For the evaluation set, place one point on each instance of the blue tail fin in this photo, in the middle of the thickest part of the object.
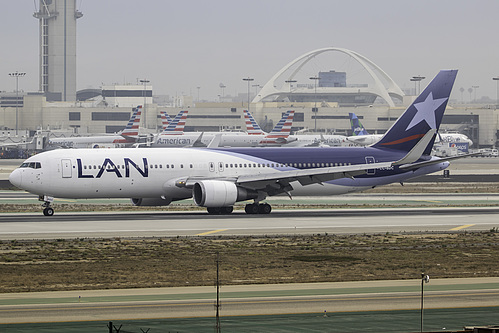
(425, 113)
(357, 127)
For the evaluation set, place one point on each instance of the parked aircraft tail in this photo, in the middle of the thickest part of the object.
(176, 126)
(280, 133)
(132, 128)
(423, 115)
(165, 120)
(357, 127)
(252, 126)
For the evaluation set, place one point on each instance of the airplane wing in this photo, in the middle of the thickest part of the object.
(274, 183)
(277, 182)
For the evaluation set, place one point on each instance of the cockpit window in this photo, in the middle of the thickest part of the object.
(32, 165)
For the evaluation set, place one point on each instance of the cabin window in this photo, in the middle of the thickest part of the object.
(190, 165)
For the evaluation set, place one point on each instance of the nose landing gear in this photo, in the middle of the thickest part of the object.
(47, 210)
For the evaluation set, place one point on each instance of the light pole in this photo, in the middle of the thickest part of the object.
(289, 82)
(475, 88)
(222, 86)
(418, 79)
(424, 279)
(17, 75)
(315, 78)
(256, 88)
(145, 82)
(248, 79)
(497, 93)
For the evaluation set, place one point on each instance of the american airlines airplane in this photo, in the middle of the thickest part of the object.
(218, 178)
(174, 135)
(128, 136)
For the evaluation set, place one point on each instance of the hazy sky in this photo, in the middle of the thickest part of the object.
(180, 45)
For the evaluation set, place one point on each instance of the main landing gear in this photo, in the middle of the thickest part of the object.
(220, 210)
(253, 208)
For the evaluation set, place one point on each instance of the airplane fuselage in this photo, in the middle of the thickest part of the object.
(154, 173)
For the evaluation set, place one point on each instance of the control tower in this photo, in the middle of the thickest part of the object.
(58, 48)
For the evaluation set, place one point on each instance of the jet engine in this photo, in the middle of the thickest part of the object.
(150, 201)
(217, 193)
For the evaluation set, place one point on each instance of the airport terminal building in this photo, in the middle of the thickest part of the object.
(478, 122)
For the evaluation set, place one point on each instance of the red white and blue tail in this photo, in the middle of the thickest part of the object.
(176, 126)
(165, 120)
(280, 133)
(132, 128)
(252, 127)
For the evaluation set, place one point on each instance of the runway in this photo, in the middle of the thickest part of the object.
(247, 300)
(279, 222)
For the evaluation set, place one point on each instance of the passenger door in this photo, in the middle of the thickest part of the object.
(67, 169)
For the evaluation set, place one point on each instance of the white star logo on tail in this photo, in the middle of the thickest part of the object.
(426, 111)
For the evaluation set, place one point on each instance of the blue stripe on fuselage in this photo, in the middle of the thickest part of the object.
(343, 155)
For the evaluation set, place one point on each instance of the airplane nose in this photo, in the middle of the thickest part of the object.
(15, 178)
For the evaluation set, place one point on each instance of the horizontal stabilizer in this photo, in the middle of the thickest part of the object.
(418, 149)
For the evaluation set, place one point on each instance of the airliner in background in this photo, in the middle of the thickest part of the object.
(126, 137)
(218, 178)
(360, 135)
(453, 138)
(174, 135)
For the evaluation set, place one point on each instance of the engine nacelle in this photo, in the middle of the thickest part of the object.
(218, 193)
(150, 201)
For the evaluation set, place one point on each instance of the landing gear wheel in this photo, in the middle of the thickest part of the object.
(213, 210)
(251, 209)
(226, 210)
(48, 211)
(220, 210)
(264, 208)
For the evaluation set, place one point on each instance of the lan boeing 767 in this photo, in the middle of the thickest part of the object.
(218, 178)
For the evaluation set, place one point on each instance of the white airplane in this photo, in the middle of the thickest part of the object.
(360, 135)
(453, 137)
(303, 140)
(174, 135)
(218, 178)
(128, 136)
